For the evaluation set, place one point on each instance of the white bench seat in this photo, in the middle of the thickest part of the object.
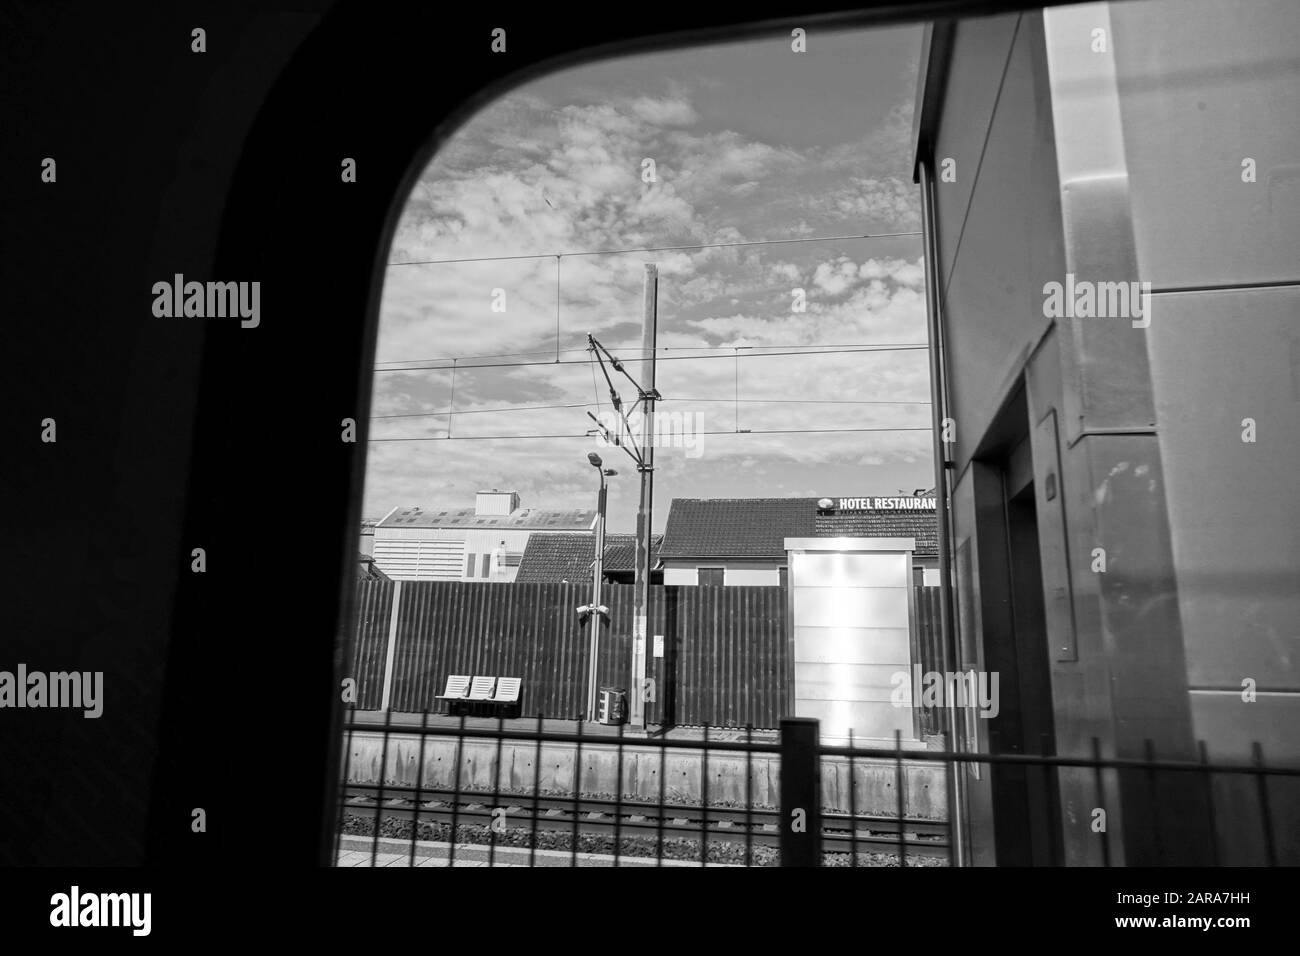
(507, 691)
(457, 688)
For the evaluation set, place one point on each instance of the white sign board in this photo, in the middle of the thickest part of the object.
(913, 503)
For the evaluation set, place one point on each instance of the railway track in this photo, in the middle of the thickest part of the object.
(593, 815)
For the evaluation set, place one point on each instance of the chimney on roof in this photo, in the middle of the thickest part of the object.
(496, 502)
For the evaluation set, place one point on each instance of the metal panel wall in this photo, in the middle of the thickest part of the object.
(836, 617)
(1205, 86)
(509, 630)
(929, 650)
(730, 666)
(725, 657)
(374, 609)
(724, 650)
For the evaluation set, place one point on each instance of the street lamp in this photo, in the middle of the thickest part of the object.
(596, 611)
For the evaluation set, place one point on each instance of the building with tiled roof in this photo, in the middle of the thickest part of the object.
(483, 543)
(366, 569)
(556, 558)
(742, 540)
(921, 526)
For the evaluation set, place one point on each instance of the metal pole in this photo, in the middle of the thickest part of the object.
(641, 603)
(939, 406)
(800, 788)
(596, 618)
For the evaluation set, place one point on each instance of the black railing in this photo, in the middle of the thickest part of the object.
(442, 791)
(598, 808)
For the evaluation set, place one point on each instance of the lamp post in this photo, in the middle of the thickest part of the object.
(596, 612)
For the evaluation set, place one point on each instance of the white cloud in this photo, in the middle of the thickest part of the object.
(665, 112)
(786, 271)
(890, 201)
(526, 178)
(835, 278)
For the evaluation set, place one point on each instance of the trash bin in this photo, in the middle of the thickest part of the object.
(613, 705)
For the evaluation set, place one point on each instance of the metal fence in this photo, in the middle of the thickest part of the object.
(436, 792)
(369, 651)
(928, 651)
(724, 659)
(725, 655)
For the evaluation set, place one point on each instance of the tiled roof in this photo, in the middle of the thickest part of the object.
(921, 525)
(567, 557)
(736, 527)
(620, 551)
(758, 527)
(525, 519)
(367, 570)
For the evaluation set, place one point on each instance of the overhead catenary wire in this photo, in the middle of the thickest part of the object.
(665, 358)
(595, 347)
(623, 252)
(796, 401)
(483, 411)
(751, 352)
(599, 404)
(743, 431)
(638, 348)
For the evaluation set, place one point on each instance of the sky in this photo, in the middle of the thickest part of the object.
(749, 141)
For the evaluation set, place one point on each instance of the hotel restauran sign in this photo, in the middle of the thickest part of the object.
(876, 504)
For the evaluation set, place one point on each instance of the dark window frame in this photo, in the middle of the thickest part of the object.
(722, 577)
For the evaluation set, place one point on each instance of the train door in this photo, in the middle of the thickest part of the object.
(1023, 800)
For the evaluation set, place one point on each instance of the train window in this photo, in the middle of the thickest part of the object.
(692, 309)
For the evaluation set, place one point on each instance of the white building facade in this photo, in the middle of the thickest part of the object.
(483, 543)
(736, 542)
